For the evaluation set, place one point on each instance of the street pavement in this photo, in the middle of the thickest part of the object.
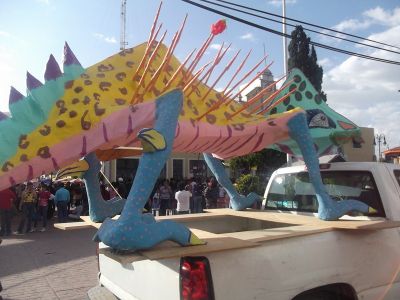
(54, 264)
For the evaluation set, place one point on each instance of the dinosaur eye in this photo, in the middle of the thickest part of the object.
(319, 120)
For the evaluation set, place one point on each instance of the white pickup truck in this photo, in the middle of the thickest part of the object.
(280, 252)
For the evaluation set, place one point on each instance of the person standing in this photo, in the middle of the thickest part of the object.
(122, 189)
(221, 197)
(165, 197)
(44, 197)
(7, 197)
(197, 197)
(183, 199)
(211, 193)
(61, 200)
(28, 201)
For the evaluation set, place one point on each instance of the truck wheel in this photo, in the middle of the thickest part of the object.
(322, 295)
(335, 291)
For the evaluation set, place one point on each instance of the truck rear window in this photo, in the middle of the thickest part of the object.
(294, 192)
(397, 175)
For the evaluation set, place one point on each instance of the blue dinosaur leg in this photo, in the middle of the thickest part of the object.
(99, 209)
(238, 202)
(327, 208)
(132, 231)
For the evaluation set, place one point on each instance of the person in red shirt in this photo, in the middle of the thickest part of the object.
(44, 196)
(7, 197)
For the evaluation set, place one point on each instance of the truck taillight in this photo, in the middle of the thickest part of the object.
(195, 279)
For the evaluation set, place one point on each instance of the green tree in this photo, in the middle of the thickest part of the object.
(249, 183)
(263, 160)
(301, 58)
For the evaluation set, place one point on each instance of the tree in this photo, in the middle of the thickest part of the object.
(301, 58)
(263, 160)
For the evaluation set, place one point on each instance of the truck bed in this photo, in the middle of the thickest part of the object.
(224, 229)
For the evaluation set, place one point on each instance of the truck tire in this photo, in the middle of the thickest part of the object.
(338, 291)
(321, 296)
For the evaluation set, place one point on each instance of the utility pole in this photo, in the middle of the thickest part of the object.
(285, 50)
(123, 43)
(285, 58)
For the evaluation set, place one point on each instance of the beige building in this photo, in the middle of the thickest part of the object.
(178, 166)
(361, 152)
(265, 80)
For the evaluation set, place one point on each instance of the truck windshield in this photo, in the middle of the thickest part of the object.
(294, 192)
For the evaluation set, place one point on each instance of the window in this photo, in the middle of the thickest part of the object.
(294, 192)
(177, 169)
(127, 167)
(198, 168)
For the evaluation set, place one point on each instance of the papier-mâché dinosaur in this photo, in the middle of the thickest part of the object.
(142, 96)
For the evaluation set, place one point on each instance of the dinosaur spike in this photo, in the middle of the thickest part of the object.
(32, 82)
(69, 56)
(246, 75)
(3, 116)
(266, 102)
(15, 95)
(52, 69)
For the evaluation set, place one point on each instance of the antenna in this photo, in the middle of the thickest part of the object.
(123, 43)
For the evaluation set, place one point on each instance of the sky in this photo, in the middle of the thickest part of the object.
(364, 91)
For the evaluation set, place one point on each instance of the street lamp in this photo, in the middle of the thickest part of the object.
(380, 138)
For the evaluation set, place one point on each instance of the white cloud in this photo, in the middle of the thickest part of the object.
(4, 33)
(367, 91)
(100, 36)
(248, 36)
(47, 2)
(372, 16)
(217, 46)
(325, 62)
(381, 16)
(352, 25)
(279, 2)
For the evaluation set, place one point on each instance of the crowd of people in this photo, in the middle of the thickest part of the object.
(36, 203)
(187, 196)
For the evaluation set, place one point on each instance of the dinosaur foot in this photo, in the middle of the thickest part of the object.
(335, 210)
(140, 232)
(241, 202)
(106, 209)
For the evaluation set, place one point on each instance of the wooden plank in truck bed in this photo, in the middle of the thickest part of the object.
(296, 225)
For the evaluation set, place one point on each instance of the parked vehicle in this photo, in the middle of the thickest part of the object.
(280, 252)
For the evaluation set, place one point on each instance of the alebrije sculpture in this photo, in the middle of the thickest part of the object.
(144, 96)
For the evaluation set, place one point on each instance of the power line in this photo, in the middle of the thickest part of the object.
(292, 25)
(288, 36)
(307, 23)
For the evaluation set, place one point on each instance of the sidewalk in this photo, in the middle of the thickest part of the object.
(54, 264)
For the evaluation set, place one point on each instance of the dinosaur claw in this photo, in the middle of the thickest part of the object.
(194, 240)
(152, 140)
